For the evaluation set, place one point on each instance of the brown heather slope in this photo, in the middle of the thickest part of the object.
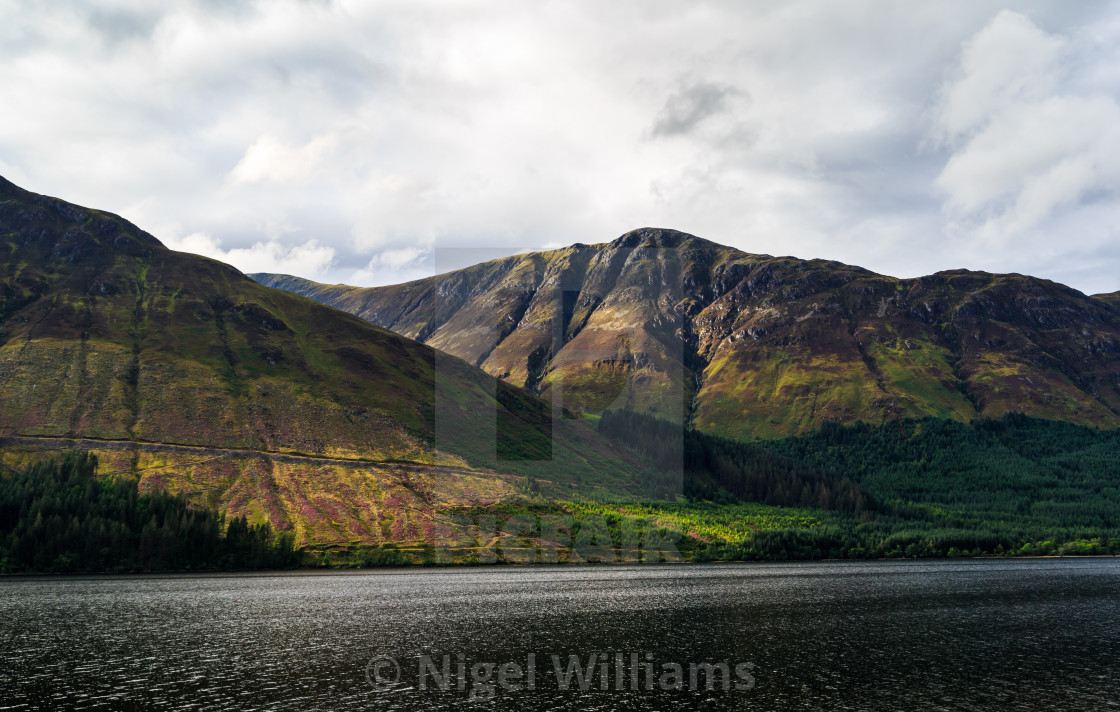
(180, 370)
(754, 346)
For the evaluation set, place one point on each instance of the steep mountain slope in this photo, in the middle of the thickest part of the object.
(182, 371)
(754, 346)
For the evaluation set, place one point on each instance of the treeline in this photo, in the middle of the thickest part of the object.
(59, 517)
(1032, 472)
(854, 542)
(716, 468)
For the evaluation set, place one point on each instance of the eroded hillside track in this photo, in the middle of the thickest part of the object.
(62, 443)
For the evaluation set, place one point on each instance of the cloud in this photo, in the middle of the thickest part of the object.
(398, 259)
(394, 266)
(309, 259)
(1027, 140)
(690, 105)
(269, 160)
(868, 132)
(1006, 63)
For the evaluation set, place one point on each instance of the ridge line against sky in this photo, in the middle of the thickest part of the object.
(352, 142)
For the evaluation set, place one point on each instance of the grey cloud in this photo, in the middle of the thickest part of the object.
(689, 106)
(118, 26)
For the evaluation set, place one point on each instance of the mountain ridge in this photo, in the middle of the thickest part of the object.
(756, 345)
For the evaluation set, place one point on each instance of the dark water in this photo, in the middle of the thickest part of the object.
(976, 635)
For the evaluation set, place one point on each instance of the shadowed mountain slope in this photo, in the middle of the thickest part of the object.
(755, 346)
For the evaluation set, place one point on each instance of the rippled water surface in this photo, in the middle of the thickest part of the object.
(960, 635)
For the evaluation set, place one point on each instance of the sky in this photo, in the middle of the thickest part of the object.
(374, 142)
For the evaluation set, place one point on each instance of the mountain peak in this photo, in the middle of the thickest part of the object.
(659, 237)
(9, 188)
(52, 230)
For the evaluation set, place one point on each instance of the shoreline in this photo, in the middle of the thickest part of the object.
(413, 568)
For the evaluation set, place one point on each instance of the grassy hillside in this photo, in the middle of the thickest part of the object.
(1013, 486)
(182, 371)
(1016, 486)
(1112, 299)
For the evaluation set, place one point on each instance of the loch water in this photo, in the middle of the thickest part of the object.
(1010, 634)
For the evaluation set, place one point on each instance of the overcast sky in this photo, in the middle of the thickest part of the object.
(352, 141)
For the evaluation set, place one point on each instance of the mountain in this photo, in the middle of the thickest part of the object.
(1112, 298)
(755, 346)
(183, 372)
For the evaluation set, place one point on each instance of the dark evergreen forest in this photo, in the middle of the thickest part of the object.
(58, 517)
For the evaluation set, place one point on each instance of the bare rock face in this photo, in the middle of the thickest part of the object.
(755, 346)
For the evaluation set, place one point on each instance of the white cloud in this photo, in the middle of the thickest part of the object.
(309, 259)
(1008, 62)
(1026, 141)
(397, 259)
(393, 266)
(268, 160)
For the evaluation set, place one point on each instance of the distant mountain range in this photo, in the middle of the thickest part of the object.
(754, 346)
(181, 371)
